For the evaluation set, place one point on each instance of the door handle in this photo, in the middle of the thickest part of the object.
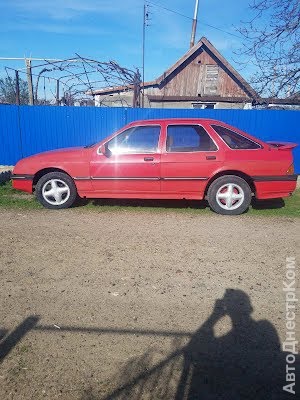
(211, 157)
(148, 158)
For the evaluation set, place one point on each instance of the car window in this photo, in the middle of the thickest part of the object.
(188, 138)
(138, 139)
(234, 140)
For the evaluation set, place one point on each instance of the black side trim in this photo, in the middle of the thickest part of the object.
(26, 177)
(117, 178)
(185, 178)
(275, 178)
(82, 178)
(114, 178)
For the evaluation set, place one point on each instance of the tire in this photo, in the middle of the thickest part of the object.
(229, 195)
(56, 190)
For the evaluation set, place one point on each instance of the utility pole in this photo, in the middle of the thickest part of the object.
(194, 26)
(57, 92)
(136, 90)
(17, 88)
(144, 34)
(29, 81)
(145, 20)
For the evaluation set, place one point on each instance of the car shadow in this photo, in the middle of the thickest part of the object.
(143, 203)
(267, 204)
(172, 204)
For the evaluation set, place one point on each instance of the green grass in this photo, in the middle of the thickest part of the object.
(11, 198)
(289, 207)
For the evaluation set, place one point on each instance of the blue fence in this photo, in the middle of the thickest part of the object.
(25, 130)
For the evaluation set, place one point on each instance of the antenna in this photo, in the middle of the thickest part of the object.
(194, 26)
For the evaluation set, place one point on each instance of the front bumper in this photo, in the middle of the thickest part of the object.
(22, 182)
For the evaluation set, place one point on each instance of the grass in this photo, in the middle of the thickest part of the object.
(11, 198)
(289, 207)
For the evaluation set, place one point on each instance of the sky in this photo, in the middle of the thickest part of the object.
(112, 30)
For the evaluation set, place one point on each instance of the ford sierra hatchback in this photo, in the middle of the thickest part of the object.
(164, 159)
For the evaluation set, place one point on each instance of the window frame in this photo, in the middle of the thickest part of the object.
(189, 152)
(134, 127)
(237, 133)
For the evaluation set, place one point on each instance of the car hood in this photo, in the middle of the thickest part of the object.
(60, 158)
(59, 154)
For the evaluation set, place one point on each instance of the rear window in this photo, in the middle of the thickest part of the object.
(234, 140)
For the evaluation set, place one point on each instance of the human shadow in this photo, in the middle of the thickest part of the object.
(244, 363)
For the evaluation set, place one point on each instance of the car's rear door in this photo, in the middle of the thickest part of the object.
(189, 158)
(131, 163)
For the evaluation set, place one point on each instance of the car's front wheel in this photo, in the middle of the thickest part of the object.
(56, 190)
(229, 195)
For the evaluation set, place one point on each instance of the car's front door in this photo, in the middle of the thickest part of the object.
(188, 160)
(131, 162)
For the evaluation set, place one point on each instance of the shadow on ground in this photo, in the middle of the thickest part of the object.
(244, 363)
(172, 204)
(181, 204)
(267, 204)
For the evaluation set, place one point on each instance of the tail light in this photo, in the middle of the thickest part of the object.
(290, 170)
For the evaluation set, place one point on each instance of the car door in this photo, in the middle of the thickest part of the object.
(188, 160)
(131, 162)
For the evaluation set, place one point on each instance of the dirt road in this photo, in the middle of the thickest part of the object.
(122, 305)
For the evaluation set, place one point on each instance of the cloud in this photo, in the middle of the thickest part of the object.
(89, 17)
(56, 28)
(70, 9)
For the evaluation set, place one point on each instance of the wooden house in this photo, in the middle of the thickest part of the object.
(201, 78)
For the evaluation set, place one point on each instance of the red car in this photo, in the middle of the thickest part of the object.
(164, 159)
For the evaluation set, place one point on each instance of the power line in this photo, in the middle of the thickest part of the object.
(190, 18)
(221, 30)
(168, 9)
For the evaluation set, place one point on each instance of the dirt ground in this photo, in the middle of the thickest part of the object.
(124, 305)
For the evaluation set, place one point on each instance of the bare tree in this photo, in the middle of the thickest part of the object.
(272, 43)
(74, 81)
(8, 91)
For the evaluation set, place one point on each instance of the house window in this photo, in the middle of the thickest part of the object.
(211, 79)
(204, 105)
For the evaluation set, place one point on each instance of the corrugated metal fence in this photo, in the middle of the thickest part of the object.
(25, 130)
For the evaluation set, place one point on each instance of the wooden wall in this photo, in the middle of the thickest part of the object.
(191, 80)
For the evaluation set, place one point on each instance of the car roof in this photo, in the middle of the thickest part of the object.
(176, 119)
(184, 119)
(195, 120)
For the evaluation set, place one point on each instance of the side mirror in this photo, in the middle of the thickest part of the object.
(103, 149)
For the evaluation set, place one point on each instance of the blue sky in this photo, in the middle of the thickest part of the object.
(112, 30)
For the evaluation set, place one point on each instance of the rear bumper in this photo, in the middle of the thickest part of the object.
(275, 178)
(271, 187)
(22, 182)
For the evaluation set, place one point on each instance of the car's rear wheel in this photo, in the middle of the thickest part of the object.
(56, 190)
(229, 195)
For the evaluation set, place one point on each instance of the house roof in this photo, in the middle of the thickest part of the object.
(206, 45)
(293, 101)
(202, 99)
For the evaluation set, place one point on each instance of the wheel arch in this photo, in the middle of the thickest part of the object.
(242, 175)
(45, 171)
